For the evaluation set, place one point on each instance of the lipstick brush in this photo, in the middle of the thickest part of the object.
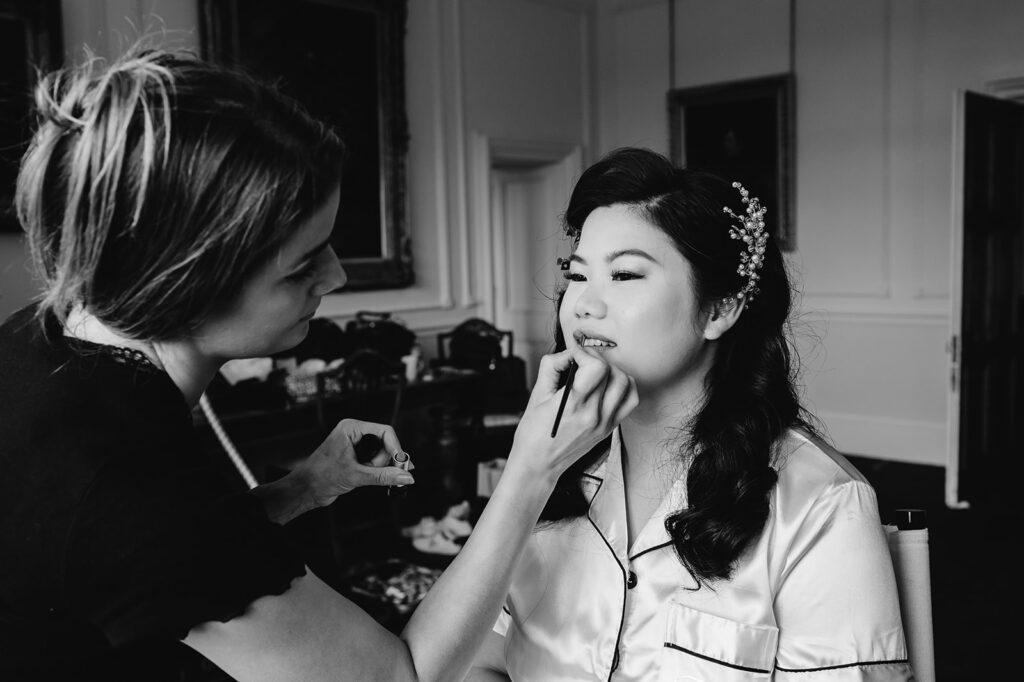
(565, 396)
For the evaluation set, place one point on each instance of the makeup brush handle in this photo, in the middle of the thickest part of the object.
(565, 396)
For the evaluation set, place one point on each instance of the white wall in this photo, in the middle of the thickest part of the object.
(875, 87)
(105, 26)
(509, 70)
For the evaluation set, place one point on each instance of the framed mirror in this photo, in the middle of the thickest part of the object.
(742, 131)
(344, 60)
(30, 38)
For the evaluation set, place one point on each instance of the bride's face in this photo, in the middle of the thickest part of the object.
(630, 298)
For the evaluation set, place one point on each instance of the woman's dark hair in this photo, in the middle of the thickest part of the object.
(750, 397)
(156, 184)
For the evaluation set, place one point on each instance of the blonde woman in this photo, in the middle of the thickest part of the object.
(178, 215)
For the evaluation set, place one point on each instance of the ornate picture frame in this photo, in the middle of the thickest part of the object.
(742, 130)
(344, 60)
(30, 38)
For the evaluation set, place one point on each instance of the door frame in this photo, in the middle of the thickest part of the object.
(953, 500)
(485, 153)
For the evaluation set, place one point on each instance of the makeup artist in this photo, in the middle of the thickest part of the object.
(178, 215)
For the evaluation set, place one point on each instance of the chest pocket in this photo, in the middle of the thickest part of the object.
(700, 647)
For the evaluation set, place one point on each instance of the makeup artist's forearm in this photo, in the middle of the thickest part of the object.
(450, 624)
(285, 498)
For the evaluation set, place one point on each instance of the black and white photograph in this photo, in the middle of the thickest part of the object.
(522, 340)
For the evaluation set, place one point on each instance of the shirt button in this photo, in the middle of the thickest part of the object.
(631, 580)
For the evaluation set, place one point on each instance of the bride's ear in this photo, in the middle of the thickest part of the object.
(723, 316)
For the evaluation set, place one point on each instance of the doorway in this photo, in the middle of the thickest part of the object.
(987, 345)
(520, 210)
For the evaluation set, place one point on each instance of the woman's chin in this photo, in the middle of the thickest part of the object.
(296, 335)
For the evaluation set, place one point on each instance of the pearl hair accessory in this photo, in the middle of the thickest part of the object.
(750, 230)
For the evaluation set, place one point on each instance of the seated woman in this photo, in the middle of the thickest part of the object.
(714, 536)
(179, 216)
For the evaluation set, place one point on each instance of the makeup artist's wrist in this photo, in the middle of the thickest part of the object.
(289, 496)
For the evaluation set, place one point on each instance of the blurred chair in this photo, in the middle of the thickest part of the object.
(368, 386)
(908, 546)
(371, 382)
(478, 345)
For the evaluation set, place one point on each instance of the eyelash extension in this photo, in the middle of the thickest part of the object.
(618, 275)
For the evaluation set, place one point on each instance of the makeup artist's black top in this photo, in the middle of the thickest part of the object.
(116, 533)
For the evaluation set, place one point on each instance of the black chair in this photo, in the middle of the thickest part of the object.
(478, 345)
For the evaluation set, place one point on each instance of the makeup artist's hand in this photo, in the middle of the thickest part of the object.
(601, 396)
(333, 469)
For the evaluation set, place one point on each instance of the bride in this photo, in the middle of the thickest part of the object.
(713, 536)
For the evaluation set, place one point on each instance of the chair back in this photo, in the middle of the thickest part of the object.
(371, 379)
(474, 344)
(908, 546)
(478, 345)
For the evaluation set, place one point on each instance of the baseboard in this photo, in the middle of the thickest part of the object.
(901, 440)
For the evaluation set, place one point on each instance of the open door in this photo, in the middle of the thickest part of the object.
(527, 239)
(987, 345)
(528, 196)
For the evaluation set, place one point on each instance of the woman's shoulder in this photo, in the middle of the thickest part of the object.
(812, 471)
(804, 455)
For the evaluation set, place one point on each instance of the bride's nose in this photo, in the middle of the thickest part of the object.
(590, 303)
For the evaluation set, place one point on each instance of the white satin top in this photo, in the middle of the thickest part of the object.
(814, 598)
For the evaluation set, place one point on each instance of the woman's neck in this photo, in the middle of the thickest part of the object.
(653, 430)
(189, 368)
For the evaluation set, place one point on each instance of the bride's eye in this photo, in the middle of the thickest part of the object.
(574, 276)
(623, 275)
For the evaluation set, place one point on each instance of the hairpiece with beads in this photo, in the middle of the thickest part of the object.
(751, 230)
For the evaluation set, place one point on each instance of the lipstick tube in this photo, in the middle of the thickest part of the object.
(403, 462)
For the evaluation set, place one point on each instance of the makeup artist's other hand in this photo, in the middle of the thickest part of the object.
(601, 396)
(333, 469)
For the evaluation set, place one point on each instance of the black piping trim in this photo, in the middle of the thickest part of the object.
(505, 609)
(670, 645)
(842, 665)
(596, 478)
(650, 549)
(622, 615)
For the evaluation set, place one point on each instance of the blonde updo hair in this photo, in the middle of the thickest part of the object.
(156, 184)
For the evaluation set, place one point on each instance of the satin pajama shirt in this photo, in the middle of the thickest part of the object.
(813, 599)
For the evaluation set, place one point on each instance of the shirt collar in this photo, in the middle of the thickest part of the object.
(604, 487)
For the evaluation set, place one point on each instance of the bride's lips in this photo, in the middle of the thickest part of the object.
(588, 339)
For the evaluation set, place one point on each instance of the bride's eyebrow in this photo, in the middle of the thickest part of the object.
(630, 252)
(617, 254)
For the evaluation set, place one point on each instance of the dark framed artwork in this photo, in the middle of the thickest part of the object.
(30, 39)
(344, 60)
(742, 131)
